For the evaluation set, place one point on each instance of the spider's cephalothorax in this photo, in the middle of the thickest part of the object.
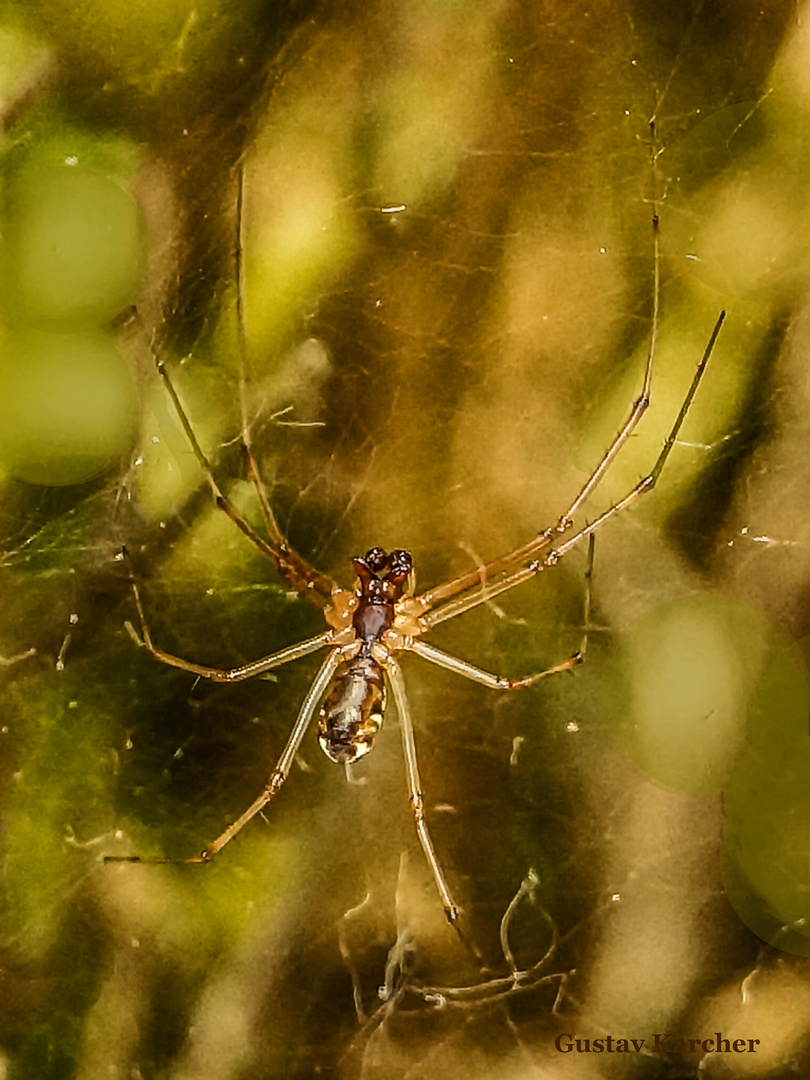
(381, 583)
(353, 710)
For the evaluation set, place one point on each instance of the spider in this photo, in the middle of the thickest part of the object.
(369, 625)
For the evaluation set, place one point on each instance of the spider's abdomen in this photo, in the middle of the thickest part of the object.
(353, 710)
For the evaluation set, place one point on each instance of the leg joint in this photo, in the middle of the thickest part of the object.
(273, 785)
(418, 807)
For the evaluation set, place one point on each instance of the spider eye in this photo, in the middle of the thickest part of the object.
(376, 559)
(401, 562)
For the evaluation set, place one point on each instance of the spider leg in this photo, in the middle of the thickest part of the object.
(648, 482)
(320, 582)
(502, 682)
(297, 571)
(300, 575)
(244, 671)
(252, 467)
(451, 909)
(639, 406)
(533, 547)
(275, 781)
(272, 526)
(486, 678)
(455, 603)
(7, 661)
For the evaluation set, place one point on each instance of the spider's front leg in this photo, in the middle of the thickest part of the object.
(451, 908)
(304, 578)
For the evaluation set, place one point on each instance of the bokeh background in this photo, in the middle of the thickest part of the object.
(448, 287)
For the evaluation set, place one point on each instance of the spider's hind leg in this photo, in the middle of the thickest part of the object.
(451, 909)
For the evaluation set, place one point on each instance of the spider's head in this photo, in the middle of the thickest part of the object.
(383, 575)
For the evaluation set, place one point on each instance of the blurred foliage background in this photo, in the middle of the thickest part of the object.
(448, 288)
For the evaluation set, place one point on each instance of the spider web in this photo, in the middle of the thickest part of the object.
(448, 289)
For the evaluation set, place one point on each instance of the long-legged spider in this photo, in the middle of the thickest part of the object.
(369, 625)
